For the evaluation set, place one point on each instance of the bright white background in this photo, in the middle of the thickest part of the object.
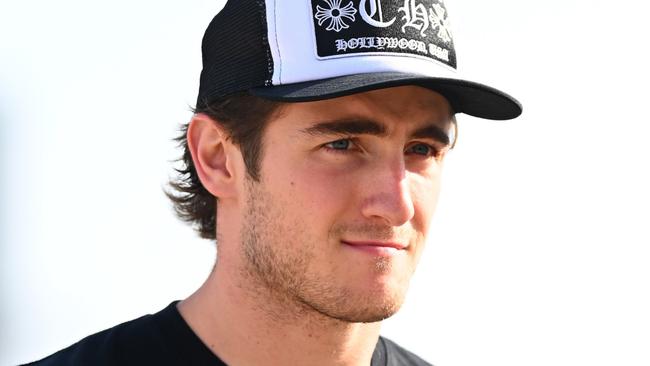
(540, 249)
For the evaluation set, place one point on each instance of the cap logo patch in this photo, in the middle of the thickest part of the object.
(361, 27)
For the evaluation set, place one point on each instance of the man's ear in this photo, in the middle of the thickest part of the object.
(212, 154)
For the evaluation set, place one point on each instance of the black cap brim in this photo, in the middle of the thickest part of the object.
(464, 96)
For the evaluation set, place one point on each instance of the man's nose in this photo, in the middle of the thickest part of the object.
(388, 194)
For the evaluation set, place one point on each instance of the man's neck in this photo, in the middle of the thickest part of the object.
(244, 324)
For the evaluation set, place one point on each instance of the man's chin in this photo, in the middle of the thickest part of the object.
(362, 309)
(368, 316)
(376, 316)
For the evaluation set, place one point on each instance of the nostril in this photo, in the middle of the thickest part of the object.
(395, 206)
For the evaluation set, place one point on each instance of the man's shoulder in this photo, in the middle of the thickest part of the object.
(136, 342)
(395, 355)
(164, 339)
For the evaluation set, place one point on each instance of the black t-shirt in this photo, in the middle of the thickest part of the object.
(165, 338)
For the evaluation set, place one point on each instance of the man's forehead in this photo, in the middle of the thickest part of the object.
(397, 96)
(409, 114)
(411, 104)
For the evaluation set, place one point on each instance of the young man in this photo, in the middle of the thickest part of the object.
(320, 131)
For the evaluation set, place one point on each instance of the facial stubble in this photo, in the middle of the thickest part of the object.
(279, 259)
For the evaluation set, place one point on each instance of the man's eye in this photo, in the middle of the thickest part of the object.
(339, 144)
(422, 149)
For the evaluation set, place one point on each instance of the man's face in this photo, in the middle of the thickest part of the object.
(348, 187)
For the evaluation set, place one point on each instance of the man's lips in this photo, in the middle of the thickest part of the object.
(378, 244)
(376, 248)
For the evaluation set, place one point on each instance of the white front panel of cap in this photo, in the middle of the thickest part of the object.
(316, 39)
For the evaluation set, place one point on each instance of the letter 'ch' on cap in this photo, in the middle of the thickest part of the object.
(306, 50)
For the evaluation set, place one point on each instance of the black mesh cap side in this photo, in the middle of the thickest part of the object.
(236, 53)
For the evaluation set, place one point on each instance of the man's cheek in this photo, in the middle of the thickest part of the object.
(323, 188)
(425, 199)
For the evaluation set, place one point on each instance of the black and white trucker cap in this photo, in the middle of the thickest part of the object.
(306, 50)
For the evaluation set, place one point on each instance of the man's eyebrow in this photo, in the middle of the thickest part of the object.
(432, 132)
(368, 127)
(347, 127)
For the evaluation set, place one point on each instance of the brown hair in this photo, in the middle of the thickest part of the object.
(244, 117)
